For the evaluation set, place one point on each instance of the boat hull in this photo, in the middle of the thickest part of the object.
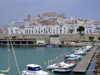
(80, 52)
(65, 65)
(73, 57)
(78, 58)
(34, 73)
(61, 71)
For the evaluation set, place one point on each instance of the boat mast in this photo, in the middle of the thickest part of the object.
(8, 50)
(15, 56)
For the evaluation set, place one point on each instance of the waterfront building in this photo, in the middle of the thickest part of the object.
(1, 32)
(4, 29)
(90, 29)
(97, 28)
(40, 41)
(54, 39)
(13, 30)
(52, 29)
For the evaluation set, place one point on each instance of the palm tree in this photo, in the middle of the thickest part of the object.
(91, 38)
(80, 29)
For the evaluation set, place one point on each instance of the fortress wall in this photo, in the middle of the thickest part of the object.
(62, 37)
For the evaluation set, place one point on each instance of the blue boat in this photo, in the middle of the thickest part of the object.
(61, 70)
(73, 57)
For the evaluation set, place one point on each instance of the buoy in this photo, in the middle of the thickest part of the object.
(45, 63)
(62, 54)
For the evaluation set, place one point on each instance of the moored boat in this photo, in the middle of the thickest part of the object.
(62, 65)
(61, 70)
(52, 45)
(73, 57)
(33, 69)
(71, 62)
(88, 47)
(2, 74)
(80, 51)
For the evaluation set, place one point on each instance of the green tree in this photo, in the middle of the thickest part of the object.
(91, 38)
(80, 29)
(13, 36)
(99, 38)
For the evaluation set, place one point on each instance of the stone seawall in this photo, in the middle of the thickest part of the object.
(62, 37)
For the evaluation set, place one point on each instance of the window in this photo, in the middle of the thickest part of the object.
(34, 69)
(44, 30)
(16, 31)
(11, 31)
(32, 31)
(64, 29)
(60, 30)
(27, 31)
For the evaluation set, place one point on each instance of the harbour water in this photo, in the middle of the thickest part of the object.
(37, 55)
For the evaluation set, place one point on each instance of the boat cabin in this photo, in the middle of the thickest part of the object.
(32, 67)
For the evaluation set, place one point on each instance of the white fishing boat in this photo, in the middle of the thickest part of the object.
(33, 69)
(62, 65)
(73, 57)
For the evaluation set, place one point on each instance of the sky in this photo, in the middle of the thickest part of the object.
(12, 10)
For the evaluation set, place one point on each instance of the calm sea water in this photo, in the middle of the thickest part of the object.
(37, 55)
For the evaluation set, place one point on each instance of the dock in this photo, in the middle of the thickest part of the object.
(84, 63)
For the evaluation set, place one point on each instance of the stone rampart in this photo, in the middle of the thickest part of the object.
(62, 37)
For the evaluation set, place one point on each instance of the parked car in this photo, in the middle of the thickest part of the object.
(92, 42)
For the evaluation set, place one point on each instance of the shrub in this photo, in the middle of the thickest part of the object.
(13, 36)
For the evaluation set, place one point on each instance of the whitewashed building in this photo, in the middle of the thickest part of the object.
(89, 29)
(52, 29)
(13, 30)
(51, 23)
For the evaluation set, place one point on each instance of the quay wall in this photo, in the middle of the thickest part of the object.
(62, 37)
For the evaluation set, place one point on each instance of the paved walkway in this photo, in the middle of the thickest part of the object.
(83, 65)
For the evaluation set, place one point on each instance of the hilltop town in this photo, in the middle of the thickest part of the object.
(50, 23)
(49, 28)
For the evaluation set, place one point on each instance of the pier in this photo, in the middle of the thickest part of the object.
(84, 63)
